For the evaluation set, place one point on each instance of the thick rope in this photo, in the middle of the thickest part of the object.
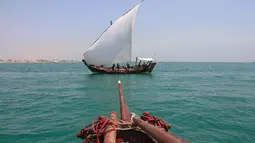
(100, 123)
(99, 127)
(155, 121)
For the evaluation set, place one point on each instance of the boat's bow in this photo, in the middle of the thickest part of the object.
(129, 128)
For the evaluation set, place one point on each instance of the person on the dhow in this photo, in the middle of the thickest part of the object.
(150, 63)
(113, 66)
(118, 66)
(144, 65)
(128, 66)
(139, 65)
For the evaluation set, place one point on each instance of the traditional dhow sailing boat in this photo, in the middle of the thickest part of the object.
(113, 49)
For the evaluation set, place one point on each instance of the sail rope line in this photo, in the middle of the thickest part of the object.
(97, 39)
(121, 53)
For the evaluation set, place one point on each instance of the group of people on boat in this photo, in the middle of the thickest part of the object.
(137, 66)
(144, 65)
(118, 66)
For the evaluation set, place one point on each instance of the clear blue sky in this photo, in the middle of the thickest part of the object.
(176, 30)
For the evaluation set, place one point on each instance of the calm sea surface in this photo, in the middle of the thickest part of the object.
(50, 102)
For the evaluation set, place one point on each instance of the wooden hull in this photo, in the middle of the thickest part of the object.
(108, 70)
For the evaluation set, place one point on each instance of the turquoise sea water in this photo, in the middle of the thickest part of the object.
(204, 102)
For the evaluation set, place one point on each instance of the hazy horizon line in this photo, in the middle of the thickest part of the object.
(158, 61)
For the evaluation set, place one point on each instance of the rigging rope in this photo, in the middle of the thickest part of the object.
(99, 127)
(155, 121)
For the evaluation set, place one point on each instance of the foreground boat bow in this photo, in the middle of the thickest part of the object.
(129, 128)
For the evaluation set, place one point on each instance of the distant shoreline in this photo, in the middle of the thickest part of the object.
(75, 61)
(38, 61)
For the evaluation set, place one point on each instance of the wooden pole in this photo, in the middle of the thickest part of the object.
(123, 107)
(156, 133)
(110, 137)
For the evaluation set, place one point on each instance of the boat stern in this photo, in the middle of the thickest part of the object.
(151, 67)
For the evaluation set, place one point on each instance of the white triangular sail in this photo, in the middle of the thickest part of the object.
(115, 44)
